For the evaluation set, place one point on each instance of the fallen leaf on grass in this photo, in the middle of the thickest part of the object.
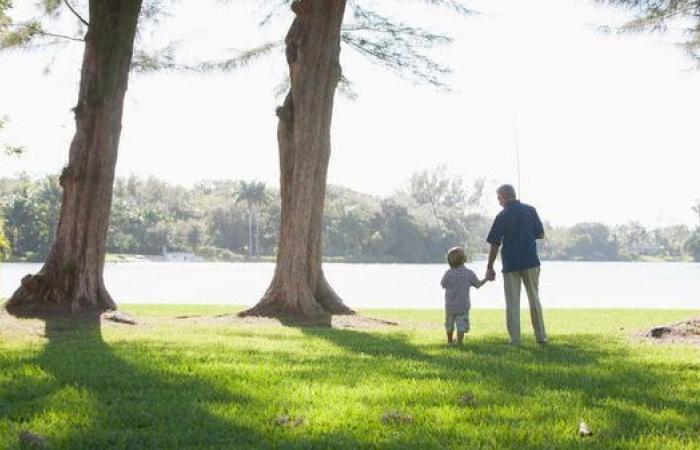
(467, 400)
(396, 418)
(31, 440)
(288, 421)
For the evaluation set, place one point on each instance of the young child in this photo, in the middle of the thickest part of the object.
(456, 282)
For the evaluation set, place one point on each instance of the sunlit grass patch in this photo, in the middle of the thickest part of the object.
(187, 384)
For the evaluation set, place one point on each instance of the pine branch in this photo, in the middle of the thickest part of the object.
(455, 5)
(394, 45)
(75, 13)
(61, 36)
(278, 8)
(241, 60)
(21, 35)
(346, 88)
(13, 150)
(657, 15)
(157, 60)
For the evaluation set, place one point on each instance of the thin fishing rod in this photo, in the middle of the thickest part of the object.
(517, 153)
(437, 219)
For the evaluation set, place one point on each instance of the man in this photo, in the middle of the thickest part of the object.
(516, 227)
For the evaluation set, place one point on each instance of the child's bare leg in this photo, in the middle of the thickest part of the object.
(460, 337)
(449, 326)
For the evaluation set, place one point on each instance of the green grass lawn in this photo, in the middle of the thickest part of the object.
(180, 384)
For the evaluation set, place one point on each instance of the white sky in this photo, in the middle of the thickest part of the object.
(607, 124)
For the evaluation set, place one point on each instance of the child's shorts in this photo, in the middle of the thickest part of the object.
(460, 320)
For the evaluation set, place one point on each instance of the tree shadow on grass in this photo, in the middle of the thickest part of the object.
(635, 399)
(87, 396)
(90, 394)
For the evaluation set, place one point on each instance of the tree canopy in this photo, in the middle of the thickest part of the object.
(5, 246)
(61, 22)
(661, 15)
(382, 39)
(8, 149)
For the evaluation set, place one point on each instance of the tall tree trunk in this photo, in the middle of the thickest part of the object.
(71, 279)
(299, 287)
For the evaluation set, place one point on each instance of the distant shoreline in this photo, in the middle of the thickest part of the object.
(129, 258)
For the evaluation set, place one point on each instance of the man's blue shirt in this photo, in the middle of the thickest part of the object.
(516, 227)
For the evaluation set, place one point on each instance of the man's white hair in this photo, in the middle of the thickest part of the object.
(507, 190)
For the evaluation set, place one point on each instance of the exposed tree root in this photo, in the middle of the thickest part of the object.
(297, 304)
(42, 296)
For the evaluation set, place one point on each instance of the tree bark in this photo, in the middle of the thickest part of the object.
(71, 280)
(299, 288)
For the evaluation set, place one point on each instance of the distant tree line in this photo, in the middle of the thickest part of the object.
(594, 241)
(235, 220)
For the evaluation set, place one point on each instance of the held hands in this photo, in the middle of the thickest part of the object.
(490, 274)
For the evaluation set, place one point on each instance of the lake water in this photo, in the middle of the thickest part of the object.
(562, 284)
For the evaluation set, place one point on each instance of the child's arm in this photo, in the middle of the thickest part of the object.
(443, 282)
(478, 283)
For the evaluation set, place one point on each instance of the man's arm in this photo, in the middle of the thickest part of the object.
(493, 252)
(494, 238)
(539, 229)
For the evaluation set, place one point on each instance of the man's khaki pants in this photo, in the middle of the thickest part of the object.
(531, 279)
